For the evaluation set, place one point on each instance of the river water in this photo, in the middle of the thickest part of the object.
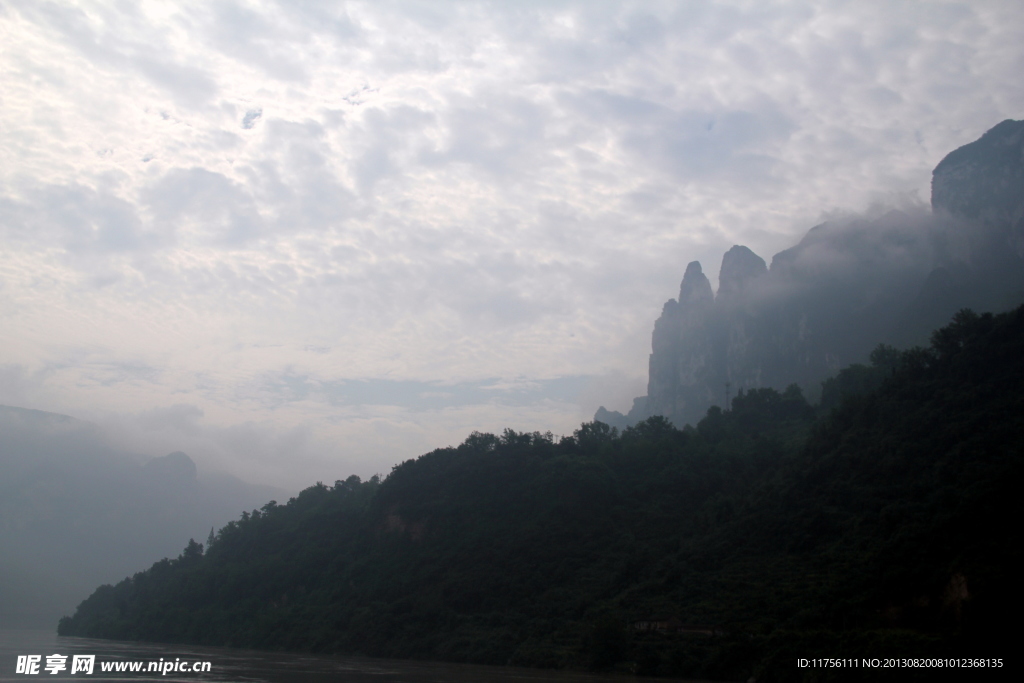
(248, 666)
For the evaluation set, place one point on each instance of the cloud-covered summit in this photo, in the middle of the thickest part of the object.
(847, 286)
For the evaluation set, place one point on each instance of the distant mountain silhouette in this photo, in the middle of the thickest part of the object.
(75, 512)
(847, 286)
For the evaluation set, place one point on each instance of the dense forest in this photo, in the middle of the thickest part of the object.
(882, 522)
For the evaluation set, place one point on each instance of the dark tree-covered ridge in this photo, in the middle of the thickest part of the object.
(883, 523)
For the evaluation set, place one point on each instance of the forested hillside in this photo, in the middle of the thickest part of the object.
(884, 522)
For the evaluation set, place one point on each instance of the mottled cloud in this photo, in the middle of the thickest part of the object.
(346, 233)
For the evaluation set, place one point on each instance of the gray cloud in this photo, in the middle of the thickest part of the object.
(140, 48)
(386, 142)
(731, 145)
(254, 38)
(506, 137)
(79, 218)
(222, 211)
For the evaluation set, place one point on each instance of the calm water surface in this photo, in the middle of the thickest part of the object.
(246, 666)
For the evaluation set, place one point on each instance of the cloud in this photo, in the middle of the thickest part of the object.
(707, 146)
(366, 223)
(82, 220)
(209, 205)
(115, 41)
(498, 134)
(263, 38)
(387, 140)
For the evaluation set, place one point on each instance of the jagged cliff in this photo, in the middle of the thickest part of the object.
(847, 286)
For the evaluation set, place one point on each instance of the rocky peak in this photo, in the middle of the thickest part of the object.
(695, 289)
(847, 286)
(984, 180)
(739, 266)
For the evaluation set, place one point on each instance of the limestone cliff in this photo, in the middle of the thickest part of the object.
(846, 287)
(984, 181)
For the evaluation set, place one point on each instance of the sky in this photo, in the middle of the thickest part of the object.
(301, 240)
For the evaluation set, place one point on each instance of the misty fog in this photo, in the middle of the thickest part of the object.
(76, 512)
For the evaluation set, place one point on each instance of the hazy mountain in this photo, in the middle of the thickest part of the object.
(769, 532)
(847, 286)
(74, 512)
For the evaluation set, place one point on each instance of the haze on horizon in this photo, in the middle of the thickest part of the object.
(299, 242)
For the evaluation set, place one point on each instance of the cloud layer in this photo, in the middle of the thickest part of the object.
(384, 225)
